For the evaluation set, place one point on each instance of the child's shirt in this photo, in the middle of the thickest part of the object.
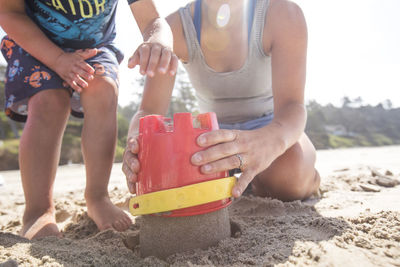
(75, 24)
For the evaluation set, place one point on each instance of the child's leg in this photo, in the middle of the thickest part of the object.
(99, 135)
(292, 176)
(39, 155)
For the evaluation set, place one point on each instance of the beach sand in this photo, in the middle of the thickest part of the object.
(355, 222)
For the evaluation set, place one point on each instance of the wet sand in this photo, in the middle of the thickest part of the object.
(355, 222)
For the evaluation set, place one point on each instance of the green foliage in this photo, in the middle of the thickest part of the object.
(71, 143)
(119, 152)
(355, 124)
(123, 127)
(183, 97)
(339, 141)
(382, 140)
(9, 154)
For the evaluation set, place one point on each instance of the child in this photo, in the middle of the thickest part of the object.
(247, 63)
(61, 60)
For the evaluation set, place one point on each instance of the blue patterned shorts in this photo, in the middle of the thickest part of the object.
(26, 76)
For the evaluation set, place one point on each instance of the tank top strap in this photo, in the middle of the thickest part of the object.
(197, 19)
(189, 32)
(251, 7)
(259, 23)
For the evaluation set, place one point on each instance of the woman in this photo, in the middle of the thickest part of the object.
(247, 62)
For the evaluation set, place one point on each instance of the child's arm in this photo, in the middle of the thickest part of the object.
(70, 66)
(155, 100)
(156, 50)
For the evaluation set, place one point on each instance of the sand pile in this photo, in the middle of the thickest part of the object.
(346, 226)
(164, 236)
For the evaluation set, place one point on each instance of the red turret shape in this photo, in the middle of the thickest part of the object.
(165, 152)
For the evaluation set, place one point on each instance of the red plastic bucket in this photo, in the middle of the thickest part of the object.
(165, 151)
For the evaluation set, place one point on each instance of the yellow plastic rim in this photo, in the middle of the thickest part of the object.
(182, 197)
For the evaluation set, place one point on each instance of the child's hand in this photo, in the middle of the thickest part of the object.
(73, 69)
(130, 165)
(152, 56)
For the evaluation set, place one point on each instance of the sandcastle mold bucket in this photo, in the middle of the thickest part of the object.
(165, 151)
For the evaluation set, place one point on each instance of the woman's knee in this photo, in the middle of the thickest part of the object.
(300, 185)
(290, 176)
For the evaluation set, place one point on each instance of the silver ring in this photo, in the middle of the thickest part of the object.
(240, 160)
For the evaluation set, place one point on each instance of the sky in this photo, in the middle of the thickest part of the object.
(353, 49)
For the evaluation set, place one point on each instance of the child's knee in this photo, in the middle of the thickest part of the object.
(101, 96)
(52, 103)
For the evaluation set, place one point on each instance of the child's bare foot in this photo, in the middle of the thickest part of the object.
(106, 215)
(40, 226)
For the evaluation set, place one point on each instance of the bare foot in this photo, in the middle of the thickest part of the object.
(40, 226)
(106, 215)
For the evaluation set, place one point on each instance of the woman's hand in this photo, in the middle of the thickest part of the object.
(130, 164)
(73, 69)
(251, 151)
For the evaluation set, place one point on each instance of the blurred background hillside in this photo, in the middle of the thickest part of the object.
(349, 125)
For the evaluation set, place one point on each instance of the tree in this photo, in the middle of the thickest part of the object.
(346, 102)
(358, 101)
(183, 96)
(387, 104)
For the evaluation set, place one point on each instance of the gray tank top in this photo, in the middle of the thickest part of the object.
(236, 96)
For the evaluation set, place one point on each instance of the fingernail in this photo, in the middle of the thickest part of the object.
(236, 192)
(207, 168)
(172, 73)
(150, 73)
(202, 140)
(162, 70)
(196, 157)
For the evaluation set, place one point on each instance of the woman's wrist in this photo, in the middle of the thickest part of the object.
(277, 138)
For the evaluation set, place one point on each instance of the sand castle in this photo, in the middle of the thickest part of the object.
(187, 209)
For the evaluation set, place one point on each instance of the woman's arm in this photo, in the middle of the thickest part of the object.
(285, 39)
(70, 66)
